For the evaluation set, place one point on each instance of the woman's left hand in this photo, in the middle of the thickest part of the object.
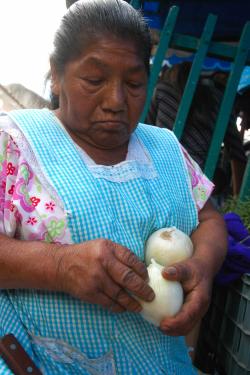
(197, 285)
(196, 274)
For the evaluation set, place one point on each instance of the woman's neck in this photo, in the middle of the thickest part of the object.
(104, 156)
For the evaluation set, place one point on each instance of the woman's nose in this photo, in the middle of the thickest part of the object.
(115, 97)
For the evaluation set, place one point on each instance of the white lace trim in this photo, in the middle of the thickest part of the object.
(137, 164)
(27, 153)
(123, 172)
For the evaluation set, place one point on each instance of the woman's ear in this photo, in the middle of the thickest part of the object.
(55, 82)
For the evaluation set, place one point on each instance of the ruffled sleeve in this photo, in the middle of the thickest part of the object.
(9, 156)
(28, 209)
(202, 187)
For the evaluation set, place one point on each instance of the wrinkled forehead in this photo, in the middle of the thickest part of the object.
(108, 38)
(104, 47)
(109, 55)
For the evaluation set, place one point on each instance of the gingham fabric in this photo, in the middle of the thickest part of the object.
(62, 334)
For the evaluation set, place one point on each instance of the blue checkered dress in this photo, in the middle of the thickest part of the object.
(62, 334)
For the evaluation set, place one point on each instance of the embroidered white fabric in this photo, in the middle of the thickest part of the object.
(137, 164)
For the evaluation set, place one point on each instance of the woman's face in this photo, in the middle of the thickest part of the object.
(102, 93)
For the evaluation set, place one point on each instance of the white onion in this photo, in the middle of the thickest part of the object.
(167, 246)
(168, 296)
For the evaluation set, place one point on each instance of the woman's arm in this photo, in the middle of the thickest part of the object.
(98, 271)
(197, 273)
(27, 264)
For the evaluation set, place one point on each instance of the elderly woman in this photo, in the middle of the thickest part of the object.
(82, 188)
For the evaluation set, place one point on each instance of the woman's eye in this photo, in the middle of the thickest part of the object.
(93, 81)
(135, 85)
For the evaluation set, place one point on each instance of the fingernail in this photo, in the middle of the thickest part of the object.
(171, 271)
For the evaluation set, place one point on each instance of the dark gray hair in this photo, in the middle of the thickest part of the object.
(88, 20)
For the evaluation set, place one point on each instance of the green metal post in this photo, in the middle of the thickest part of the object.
(216, 49)
(245, 187)
(165, 38)
(227, 102)
(194, 75)
(136, 4)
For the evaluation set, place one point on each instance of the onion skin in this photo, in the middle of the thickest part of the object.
(168, 246)
(168, 296)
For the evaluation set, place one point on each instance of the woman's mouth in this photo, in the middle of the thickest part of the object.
(111, 125)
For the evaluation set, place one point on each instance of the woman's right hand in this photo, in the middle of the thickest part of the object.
(103, 272)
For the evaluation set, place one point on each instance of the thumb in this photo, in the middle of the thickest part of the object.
(177, 272)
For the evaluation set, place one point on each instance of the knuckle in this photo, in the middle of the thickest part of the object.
(123, 298)
(105, 253)
(109, 263)
(131, 258)
(127, 277)
(125, 255)
(142, 269)
(104, 244)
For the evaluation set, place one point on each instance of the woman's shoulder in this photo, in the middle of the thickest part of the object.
(8, 132)
(11, 133)
(156, 132)
(5, 120)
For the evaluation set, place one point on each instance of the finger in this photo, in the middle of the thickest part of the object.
(128, 279)
(179, 325)
(109, 304)
(178, 272)
(192, 311)
(120, 296)
(128, 302)
(128, 258)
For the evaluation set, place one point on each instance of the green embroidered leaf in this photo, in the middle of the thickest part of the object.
(38, 185)
(24, 172)
(55, 228)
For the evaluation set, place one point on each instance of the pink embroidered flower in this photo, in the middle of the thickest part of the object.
(34, 201)
(50, 206)
(31, 220)
(21, 194)
(10, 169)
(11, 190)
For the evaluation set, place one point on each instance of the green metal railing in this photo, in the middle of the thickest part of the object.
(204, 46)
(164, 42)
(228, 100)
(194, 75)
